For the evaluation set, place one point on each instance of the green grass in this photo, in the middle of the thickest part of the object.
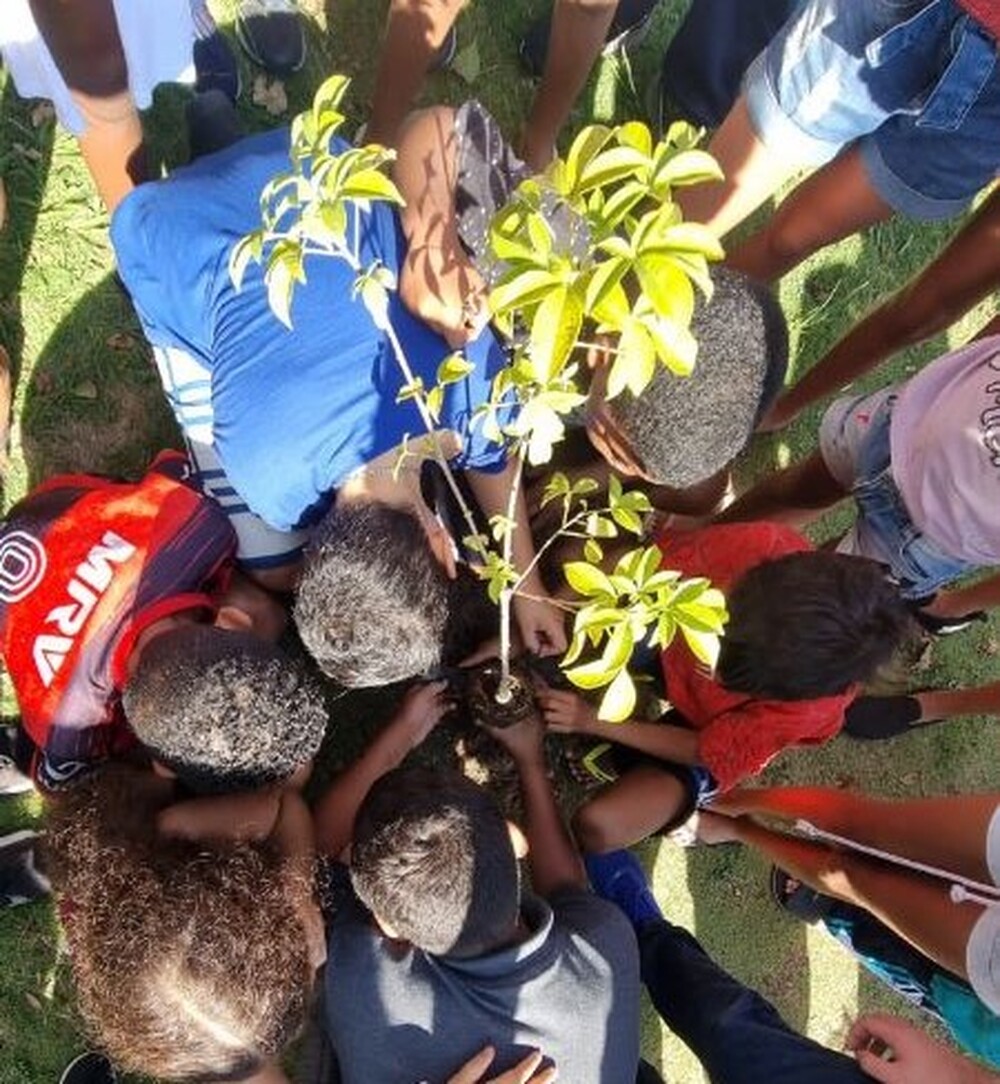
(87, 398)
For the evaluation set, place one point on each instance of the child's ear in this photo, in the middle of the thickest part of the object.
(233, 619)
(162, 770)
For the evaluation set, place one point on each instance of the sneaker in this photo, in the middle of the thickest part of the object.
(627, 30)
(618, 878)
(12, 779)
(20, 882)
(89, 1068)
(941, 626)
(878, 718)
(271, 34)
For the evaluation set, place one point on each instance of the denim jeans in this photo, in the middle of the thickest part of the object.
(735, 1033)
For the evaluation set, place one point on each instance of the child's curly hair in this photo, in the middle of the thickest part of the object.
(190, 960)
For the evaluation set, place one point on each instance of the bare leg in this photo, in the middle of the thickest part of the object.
(963, 274)
(88, 51)
(415, 31)
(949, 832)
(946, 703)
(918, 908)
(579, 28)
(636, 806)
(795, 495)
(753, 173)
(834, 202)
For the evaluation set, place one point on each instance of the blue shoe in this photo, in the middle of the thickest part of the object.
(618, 878)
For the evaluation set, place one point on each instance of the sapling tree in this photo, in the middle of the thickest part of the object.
(621, 281)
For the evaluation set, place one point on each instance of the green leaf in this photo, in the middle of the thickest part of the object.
(667, 289)
(554, 331)
(522, 289)
(613, 309)
(635, 134)
(246, 249)
(618, 702)
(591, 675)
(604, 277)
(612, 165)
(626, 518)
(592, 551)
(587, 580)
(704, 645)
(598, 526)
(539, 234)
(635, 363)
(692, 237)
(687, 167)
(590, 140)
(434, 401)
(620, 204)
(410, 391)
(454, 368)
(556, 487)
(371, 184)
(280, 285)
(618, 649)
(675, 345)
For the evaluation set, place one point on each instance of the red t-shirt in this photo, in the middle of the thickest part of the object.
(985, 12)
(86, 565)
(738, 734)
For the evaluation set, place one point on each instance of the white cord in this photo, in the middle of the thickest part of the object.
(963, 889)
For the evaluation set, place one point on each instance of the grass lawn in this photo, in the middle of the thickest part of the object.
(88, 399)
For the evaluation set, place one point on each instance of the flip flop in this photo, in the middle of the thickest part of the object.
(802, 902)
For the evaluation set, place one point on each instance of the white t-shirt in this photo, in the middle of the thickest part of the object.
(157, 38)
(945, 440)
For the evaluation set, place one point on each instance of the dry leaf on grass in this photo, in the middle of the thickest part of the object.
(270, 93)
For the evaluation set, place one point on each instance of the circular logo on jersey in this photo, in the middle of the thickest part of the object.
(22, 565)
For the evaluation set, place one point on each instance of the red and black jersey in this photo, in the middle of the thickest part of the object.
(86, 564)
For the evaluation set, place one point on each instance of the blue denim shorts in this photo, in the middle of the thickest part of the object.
(915, 82)
(854, 444)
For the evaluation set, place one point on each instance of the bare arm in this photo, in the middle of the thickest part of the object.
(579, 28)
(552, 854)
(568, 713)
(334, 815)
(982, 595)
(965, 272)
(414, 33)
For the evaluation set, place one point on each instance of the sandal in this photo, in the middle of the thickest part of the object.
(803, 902)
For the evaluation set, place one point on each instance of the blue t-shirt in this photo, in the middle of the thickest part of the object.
(295, 411)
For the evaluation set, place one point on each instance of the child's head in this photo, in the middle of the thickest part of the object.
(432, 858)
(191, 961)
(810, 625)
(223, 710)
(682, 430)
(372, 602)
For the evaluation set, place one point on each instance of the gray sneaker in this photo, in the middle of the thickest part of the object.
(271, 34)
(89, 1068)
(20, 881)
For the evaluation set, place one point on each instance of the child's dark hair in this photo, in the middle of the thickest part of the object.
(224, 710)
(433, 858)
(810, 625)
(191, 960)
(372, 602)
(683, 429)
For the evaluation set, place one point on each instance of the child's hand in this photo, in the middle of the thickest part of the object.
(541, 624)
(566, 712)
(421, 710)
(916, 1057)
(525, 740)
(525, 1072)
